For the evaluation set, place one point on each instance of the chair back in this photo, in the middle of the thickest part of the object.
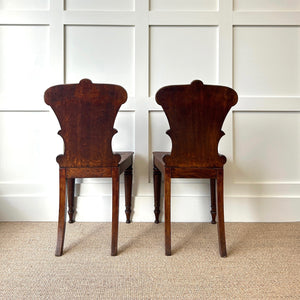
(86, 113)
(196, 113)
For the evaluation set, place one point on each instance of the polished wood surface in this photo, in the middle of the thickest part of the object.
(195, 113)
(86, 113)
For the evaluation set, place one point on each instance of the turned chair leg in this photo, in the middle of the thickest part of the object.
(115, 211)
(128, 192)
(167, 212)
(157, 186)
(62, 213)
(220, 214)
(71, 203)
(213, 200)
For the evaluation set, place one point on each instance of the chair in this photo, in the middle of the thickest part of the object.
(195, 113)
(86, 113)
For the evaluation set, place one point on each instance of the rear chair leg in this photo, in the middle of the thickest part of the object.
(157, 186)
(71, 203)
(115, 211)
(128, 192)
(220, 214)
(213, 200)
(167, 212)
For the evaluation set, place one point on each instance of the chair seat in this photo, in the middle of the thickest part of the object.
(179, 172)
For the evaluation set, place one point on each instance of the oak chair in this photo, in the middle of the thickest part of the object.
(86, 113)
(195, 114)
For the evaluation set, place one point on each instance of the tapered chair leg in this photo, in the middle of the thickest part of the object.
(71, 203)
(213, 200)
(62, 213)
(128, 192)
(220, 214)
(157, 187)
(115, 211)
(167, 212)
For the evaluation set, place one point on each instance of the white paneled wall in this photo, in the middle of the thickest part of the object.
(253, 46)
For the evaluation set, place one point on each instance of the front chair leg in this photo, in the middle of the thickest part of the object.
(220, 214)
(62, 213)
(115, 211)
(213, 200)
(167, 212)
(157, 186)
(71, 203)
(128, 192)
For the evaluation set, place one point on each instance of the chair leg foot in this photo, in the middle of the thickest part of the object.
(168, 253)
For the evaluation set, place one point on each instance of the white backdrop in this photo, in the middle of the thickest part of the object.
(253, 46)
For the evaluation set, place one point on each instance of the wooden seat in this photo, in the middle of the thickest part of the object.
(195, 113)
(86, 113)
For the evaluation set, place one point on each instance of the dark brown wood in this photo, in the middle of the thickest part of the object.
(86, 113)
(213, 200)
(220, 214)
(61, 213)
(157, 191)
(115, 211)
(196, 113)
(168, 211)
(71, 201)
(128, 191)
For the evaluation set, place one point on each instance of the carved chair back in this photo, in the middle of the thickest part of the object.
(86, 113)
(196, 113)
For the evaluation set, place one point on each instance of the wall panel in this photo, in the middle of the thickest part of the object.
(24, 61)
(187, 5)
(264, 57)
(266, 146)
(261, 5)
(24, 5)
(102, 54)
(104, 5)
(178, 55)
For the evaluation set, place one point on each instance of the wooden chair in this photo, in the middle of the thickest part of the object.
(195, 113)
(86, 113)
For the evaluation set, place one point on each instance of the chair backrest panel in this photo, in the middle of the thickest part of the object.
(86, 113)
(196, 113)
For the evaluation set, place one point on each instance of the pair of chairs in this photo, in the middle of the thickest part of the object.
(86, 113)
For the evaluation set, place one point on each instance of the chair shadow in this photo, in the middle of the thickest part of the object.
(124, 247)
(185, 241)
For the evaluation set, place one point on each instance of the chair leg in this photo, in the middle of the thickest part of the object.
(220, 214)
(157, 186)
(62, 213)
(167, 212)
(128, 192)
(115, 211)
(213, 200)
(71, 203)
